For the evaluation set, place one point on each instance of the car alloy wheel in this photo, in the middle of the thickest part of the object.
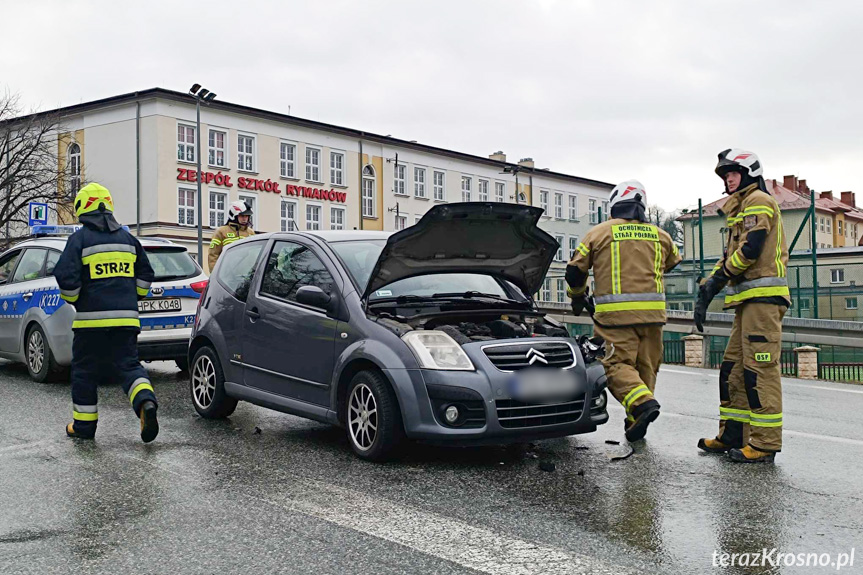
(36, 351)
(363, 417)
(204, 382)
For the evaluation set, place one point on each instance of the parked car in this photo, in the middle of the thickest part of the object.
(426, 334)
(36, 325)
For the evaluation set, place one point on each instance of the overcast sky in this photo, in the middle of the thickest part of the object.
(609, 90)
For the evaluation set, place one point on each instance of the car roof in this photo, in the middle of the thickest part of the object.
(59, 242)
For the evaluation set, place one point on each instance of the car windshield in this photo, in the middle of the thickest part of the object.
(361, 256)
(171, 263)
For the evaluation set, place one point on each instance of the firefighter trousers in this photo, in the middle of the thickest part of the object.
(632, 360)
(105, 356)
(750, 379)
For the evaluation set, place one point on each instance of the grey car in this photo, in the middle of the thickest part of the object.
(426, 334)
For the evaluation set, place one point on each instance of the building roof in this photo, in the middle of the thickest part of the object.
(301, 122)
(788, 200)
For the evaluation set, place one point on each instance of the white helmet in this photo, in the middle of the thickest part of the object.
(628, 191)
(737, 160)
(238, 208)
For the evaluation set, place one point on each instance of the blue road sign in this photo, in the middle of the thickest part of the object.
(38, 214)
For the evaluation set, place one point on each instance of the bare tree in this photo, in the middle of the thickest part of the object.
(666, 221)
(29, 166)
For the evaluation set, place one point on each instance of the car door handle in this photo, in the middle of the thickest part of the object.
(253, 313)
(27, 296)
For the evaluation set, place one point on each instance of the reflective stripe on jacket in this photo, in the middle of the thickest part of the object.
(225, 236)
(629, 259)
(754, 222)
(104, 274)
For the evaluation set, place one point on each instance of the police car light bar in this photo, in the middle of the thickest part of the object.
(57, 230)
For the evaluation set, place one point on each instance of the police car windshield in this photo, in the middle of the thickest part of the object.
(171, 263)
(360, 257)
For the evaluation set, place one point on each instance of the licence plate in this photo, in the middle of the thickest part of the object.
(157, 305)
(543, 385)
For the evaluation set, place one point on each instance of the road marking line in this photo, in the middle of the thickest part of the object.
(792, 383)
(452, 540)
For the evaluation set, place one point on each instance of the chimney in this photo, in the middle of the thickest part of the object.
(790, 182)
(526, 162)
(802, 187)
(498, 156)
(848, 199)
(826, 195)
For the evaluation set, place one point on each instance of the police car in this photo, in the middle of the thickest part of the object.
(36, 325)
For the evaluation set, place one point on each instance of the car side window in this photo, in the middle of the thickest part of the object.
(51, 262)
(7, 264)
(292, 266)
(31, 266)
(237, 268)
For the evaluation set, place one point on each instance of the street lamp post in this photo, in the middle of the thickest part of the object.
(199, 94)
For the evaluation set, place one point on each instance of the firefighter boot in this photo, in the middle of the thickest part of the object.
(149, 424)
(713, 446)
(644, 415)
(86, 434)
(751, 455)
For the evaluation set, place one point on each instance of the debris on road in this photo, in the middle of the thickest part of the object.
(612, 442)
(257, 430)
(547, 466)
(622, 457)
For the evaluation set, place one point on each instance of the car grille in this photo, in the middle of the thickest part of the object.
(512, 414)
(513, 357)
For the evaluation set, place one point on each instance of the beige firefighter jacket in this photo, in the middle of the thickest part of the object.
(629, 259)
(764, 275)
(225, 236)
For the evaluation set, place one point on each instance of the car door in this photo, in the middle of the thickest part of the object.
(8, 311)
(28, 279)
(288, 347)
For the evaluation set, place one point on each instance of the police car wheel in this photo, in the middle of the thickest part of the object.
(207, 385)
(41, 364)
(372, 417)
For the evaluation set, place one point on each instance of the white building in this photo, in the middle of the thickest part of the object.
(294, 172)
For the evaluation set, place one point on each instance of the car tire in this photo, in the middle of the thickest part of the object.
(372, 417)
(207, 386)
(182, 363)
(41, 365)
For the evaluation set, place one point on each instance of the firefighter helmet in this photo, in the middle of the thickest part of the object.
(238, 208)
(737, 160)
(93, 197)
(628, 191)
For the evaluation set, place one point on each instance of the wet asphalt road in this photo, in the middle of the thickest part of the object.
(217, 497)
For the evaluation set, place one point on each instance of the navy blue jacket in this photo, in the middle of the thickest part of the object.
(104, 271)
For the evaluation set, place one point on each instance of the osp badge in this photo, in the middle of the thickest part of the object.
(749, 222)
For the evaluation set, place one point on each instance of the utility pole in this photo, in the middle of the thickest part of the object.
(700, 239)
(814, 254)
(199, 94)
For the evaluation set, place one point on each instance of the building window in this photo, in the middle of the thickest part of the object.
(687, 306)
(558, 206)
(545, 292)
(287, 160)
(829, 224)
(837, 276)
(186, 207)
(401, 222)
(399, 177)
(217, 209)
(313, 217)
(543, 201)
(369, 207)
(605, 215)
(561, 291)
(591, 208)
(465, 188)
(839, 226)
(337, 168)
(822, 224)
(337, 218)
(217, 149)
(246, 153)
(561, 240)
(252, 201)
(74, 169)
(289, 216)
(313, 164)
(573, 207)
(185, 143)
(499, 191)
(483, 190)
(804, 304)
(439, 187)
(420, 182)
(850, 303)
(573, 244)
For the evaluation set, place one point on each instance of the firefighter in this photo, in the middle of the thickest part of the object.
(103, 272)
(629, 257)
(753, 266)
(236, 228)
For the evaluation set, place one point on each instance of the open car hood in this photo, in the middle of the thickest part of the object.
(474, 237)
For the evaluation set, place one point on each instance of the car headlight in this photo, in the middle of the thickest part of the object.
(437, 350)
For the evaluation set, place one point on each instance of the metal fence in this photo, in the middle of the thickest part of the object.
(673, 351)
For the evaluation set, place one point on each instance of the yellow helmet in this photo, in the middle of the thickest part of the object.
(90, 197)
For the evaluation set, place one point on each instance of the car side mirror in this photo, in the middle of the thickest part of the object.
(313, 296)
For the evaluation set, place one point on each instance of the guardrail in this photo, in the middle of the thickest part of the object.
(794, 329)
